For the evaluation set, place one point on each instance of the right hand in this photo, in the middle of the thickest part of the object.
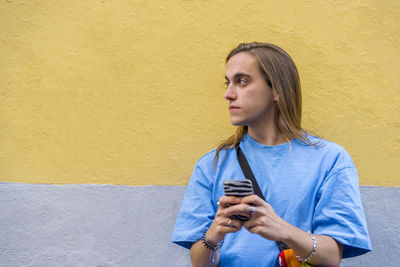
(219, 227)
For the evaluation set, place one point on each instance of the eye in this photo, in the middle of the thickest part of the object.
(242, 81)
(227, 83)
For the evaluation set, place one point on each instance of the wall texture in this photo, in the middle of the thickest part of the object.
(122, 92)
(125, 226)
(130, 94)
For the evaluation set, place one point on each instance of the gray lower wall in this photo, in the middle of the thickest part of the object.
(108, 225)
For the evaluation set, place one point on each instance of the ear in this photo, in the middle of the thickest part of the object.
(276, 97)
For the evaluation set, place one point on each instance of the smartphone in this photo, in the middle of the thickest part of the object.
(238, 188)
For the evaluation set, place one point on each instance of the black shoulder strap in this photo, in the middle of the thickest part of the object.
(248, 173)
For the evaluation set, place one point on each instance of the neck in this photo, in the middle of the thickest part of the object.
(266, 135)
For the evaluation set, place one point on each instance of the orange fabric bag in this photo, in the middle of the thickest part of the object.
(287, 258)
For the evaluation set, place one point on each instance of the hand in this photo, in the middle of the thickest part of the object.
(263, 220)
(219, 227)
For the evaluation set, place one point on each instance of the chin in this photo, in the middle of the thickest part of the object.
(237, 123)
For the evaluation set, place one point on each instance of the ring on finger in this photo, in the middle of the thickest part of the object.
(230, 223)
(251, 209)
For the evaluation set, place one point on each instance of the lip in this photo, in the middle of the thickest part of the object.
(233, 108)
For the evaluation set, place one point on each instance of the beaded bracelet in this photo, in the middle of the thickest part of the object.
(214, 255)
(314, 240)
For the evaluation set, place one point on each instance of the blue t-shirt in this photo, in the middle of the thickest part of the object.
(314, 188)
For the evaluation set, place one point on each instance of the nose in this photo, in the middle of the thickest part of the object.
(230, 94)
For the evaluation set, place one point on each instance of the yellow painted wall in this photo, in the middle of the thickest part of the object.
(131, 92)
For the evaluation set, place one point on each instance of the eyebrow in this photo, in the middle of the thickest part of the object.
(237, 75)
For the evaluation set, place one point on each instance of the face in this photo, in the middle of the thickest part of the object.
(251, 100)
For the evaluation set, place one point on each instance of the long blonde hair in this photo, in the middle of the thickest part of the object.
(281, 74)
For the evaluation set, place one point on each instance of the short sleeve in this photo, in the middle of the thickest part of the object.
(339, 212)
(197, 211)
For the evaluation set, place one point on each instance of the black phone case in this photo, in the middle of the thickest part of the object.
(238, 188)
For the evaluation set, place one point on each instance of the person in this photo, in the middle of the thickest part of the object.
(309, 184)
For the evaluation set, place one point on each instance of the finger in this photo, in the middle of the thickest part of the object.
(228, 225)
(253, 200)
(237, 209)
(233, 223)
(233, 229)
(250, 212)
(222, 220)
(228, 200)
(253, 210)
(255, 229)
(250, 223)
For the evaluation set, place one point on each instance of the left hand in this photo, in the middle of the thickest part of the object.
(263, 220)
